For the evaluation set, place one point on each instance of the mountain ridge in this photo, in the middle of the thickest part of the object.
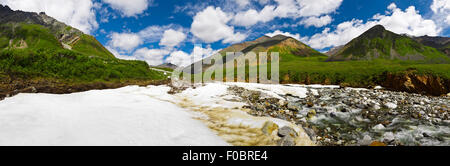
(377, 42)
(40, 54)
(285, 45)
(68, 37)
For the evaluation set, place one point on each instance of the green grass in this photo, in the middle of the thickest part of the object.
(88, 45)
(45, 57)
(36, 36)
(69, 65)
(316, 70)
(357, 73)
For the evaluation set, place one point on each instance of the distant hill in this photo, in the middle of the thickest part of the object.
(167, 65)
(379, 43)
(441, 43)
(334, 51)
(287, 47)
(285, 44)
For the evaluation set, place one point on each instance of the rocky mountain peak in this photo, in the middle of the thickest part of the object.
(376, 31)
(4, 8)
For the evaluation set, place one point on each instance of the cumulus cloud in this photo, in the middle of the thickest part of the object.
(172, 38)
(181, 58)
(165, 35)
(251, 16)
(316, 21)
(242, 3)
(441, 10)
(76, 13)
(210, 25)
(129, 8)
(125, 41)
(263, 2)
(312, 9)
(318, 7)
(153, 57)
(408, 21)
(295, 36)
(117, 54)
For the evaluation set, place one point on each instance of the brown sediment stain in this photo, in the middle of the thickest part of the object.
(239, 134)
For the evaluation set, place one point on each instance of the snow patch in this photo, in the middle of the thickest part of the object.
(125, 116)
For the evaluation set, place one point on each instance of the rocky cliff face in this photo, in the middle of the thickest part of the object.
(64, 33)
(417, 83)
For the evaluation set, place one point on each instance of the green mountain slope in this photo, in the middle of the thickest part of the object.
(282, 44)
(379, 43)
(412, 68)
(16, 25)
(287, 47)
(37, 50)
(440, 43)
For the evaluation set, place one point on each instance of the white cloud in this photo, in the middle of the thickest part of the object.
(117, 54)
(251, 16)
(76, 13)
(290, 9)
(210, 25)
(172, 38)
(263, 2)
(316, 21)
(154, 33)
(318, 7)
(295, 36)
(153, 57)
(398, 21)
(440, 5)
(128, 41)
(441, 10)
(181, 58)
(242, 3)
(125, 41)
(129, 8)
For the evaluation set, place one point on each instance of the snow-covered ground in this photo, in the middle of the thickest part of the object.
(125, 116)
(134, 115)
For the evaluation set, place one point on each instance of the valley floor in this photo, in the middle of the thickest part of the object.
(136, 116)
(226, 114)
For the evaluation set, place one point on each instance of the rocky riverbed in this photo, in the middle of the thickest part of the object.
(348, 116)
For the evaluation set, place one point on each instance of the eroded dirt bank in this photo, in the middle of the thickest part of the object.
(410, 81)
(10, 87)
(417, 83)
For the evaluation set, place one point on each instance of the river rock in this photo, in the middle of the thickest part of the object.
(286, 131)
(390, 105)
(378, 127)
(367, 140)
(388, 137)
(286, 141)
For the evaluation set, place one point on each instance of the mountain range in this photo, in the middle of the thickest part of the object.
(37, 50)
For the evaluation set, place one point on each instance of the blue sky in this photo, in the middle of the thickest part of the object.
(161, 31)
